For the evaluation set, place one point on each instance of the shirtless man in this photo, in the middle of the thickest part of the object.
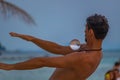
(73, 64)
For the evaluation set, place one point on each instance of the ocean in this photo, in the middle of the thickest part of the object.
(109, 58)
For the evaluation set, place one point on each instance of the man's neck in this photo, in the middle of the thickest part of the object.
(94, 45)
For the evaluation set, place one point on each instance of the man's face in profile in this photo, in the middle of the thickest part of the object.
(86, 29)
(85, 39)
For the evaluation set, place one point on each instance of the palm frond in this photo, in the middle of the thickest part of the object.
(7, 8)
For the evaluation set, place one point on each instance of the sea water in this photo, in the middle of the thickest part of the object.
(109, 58)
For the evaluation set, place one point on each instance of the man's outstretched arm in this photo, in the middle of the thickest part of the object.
(44, 44)
(58, 62)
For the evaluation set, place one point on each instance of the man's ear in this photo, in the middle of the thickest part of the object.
(91, 31)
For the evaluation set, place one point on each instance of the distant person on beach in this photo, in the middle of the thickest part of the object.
(72, 64)
(114, 73)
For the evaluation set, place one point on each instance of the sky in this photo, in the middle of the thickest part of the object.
(59, 21)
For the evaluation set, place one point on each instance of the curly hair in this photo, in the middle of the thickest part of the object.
(99, 25)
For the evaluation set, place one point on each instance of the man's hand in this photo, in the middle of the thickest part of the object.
(83, 46)
(14, 34)
(22, 36)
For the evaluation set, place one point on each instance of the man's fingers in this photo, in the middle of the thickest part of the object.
(13, 34)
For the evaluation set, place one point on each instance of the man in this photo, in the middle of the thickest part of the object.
(113, 74)
(74, 64)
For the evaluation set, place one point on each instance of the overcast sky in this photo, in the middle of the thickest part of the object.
(60, 21)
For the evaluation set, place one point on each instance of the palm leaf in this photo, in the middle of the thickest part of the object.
(7, 9)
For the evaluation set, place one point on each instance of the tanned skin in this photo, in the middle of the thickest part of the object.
(72, 65)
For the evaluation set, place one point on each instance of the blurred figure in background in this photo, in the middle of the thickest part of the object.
(113, 74)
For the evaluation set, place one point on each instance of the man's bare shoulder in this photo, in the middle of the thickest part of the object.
(84, 56)
(77, 56)
(85, 60)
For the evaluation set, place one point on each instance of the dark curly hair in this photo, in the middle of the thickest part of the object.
(99, 25)
(117, 64)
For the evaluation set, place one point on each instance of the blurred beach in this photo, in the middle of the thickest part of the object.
(109, 58)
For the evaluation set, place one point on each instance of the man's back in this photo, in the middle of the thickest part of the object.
(81, 68)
